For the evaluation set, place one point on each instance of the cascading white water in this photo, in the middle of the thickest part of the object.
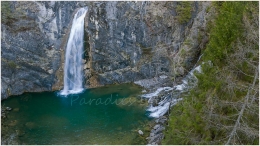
(163, 106)
(73, 70)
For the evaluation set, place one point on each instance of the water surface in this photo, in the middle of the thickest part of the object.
(106, 115)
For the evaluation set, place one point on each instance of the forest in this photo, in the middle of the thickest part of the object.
(224, 106)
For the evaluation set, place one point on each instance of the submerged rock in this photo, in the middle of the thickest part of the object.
(9, 139)
(119, 128)
(8, 108)
(20, 133)
(30, 125)
(16, 109)
(13, 123)
(3, 115)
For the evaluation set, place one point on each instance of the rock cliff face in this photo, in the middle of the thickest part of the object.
(124, 42)
(32, 42)
(129, 41)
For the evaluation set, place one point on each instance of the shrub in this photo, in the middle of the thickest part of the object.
(184, 10)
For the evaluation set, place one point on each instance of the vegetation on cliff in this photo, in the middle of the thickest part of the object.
(6, 13)
(9, 16)
(184, 10)
(224, 107)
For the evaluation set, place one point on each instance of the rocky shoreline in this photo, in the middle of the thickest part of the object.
(163, 94)
(156, 132)
(9, 136)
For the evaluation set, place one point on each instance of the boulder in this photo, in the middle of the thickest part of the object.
(8, 108)
(140, 132)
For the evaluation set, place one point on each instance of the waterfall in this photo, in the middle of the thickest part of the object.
(189, 82)
(73, 70)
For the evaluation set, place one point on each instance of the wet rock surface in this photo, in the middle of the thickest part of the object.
(156, 135)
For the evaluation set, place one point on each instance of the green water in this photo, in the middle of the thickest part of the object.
(106, 115)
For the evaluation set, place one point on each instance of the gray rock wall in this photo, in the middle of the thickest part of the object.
(124, 42)
(130, 41)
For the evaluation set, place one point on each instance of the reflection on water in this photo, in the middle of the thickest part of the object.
(106, 115)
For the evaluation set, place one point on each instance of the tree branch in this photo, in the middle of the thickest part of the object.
(242, 110)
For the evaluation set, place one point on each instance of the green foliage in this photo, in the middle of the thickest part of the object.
(182, 52)
(208, 9)
(227, 29)
(6, 12)
(184, 10)
(9, 16)
(208, 112)
(187, 42)
(11, 64)
(185, 123)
